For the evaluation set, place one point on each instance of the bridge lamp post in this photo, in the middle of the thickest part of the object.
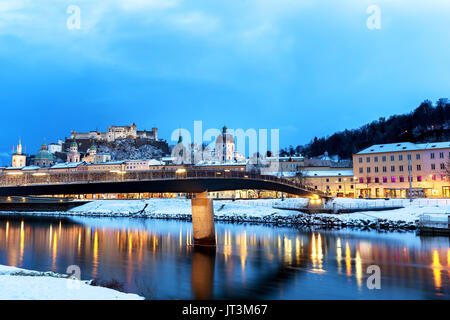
(120, 173)
(180, 173)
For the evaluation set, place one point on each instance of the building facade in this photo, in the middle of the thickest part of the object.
(392, 170)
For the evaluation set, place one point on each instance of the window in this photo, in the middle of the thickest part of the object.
(351, 187)
(340, 180)
(328, 180)
(368, 159)
(377, 180)
(419, 178)
(409, 157)
(433, 177)
(400, 157)
(400, 168)
(442, 166)
(418, 156)
(384, 157)
(442, 177)
(384, 169)
(375, 159)
(360, 160)
(432, 155)
(392, 158)
(360, 170)
(402, 179)
(376, 169)
(392, 168)
(340, 187)
(433, 166)
(392, 179)
(361, 180)
(419, 167)
(441, 155)
(384, 179)
(368, 179)
(368, 169)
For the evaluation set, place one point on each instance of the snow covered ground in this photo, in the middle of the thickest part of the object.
(22, 284)
(274, 211)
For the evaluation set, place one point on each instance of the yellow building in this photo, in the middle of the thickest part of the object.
(336, 183)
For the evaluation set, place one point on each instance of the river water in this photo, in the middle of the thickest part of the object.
(156, 259)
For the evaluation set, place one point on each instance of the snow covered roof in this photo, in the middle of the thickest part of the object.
(391, 147)
(28, 168)
(326, 173)
(287, 174)
(404, 146)
(66, 165)
(218, 163)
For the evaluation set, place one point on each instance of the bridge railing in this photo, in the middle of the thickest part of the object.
(77, 177)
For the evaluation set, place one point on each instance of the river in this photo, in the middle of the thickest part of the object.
(156, 259)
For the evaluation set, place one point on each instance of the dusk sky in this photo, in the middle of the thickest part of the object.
(308, 68)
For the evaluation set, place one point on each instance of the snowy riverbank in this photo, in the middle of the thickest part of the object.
(274, 211)
(21, 284)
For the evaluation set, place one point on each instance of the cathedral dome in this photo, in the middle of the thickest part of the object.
(43, 154)
(74, 144)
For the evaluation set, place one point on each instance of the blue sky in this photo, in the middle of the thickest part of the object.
(308, 68)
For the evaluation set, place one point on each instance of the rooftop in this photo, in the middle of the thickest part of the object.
(404, 146)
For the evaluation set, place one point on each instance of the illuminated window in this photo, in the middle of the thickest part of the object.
(392, 179)
(419, 178)
(384, 179)
(402, 179)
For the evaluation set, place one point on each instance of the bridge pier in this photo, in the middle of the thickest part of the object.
(203, 220)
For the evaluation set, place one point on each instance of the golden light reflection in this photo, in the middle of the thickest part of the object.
(54, 250)
(339, 254)
(22, 242)
(297, 250)
(243, 250)
(436, 266)
(227, 246)
(317, 253)
(287, 250)
(358, 269)
(348, 259)
(95, 255)
(7, 230)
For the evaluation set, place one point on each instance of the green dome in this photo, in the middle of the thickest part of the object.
(43, 155)
(74, 144)
(93, 147)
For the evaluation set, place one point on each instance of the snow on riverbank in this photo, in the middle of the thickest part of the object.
(22, 284)
(274, 211)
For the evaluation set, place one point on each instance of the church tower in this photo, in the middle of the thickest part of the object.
(19, 159)
(73, 155)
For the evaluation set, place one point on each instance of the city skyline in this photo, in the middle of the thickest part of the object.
(167, 63)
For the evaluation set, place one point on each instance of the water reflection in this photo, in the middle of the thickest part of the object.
(156, 259)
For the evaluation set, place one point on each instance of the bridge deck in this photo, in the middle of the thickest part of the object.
(186, 181)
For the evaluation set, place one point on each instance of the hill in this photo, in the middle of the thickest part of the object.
(427, 123)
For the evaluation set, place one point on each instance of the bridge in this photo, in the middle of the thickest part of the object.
(194, 181)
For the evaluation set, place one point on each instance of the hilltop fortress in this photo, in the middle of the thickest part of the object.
(116, 133)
